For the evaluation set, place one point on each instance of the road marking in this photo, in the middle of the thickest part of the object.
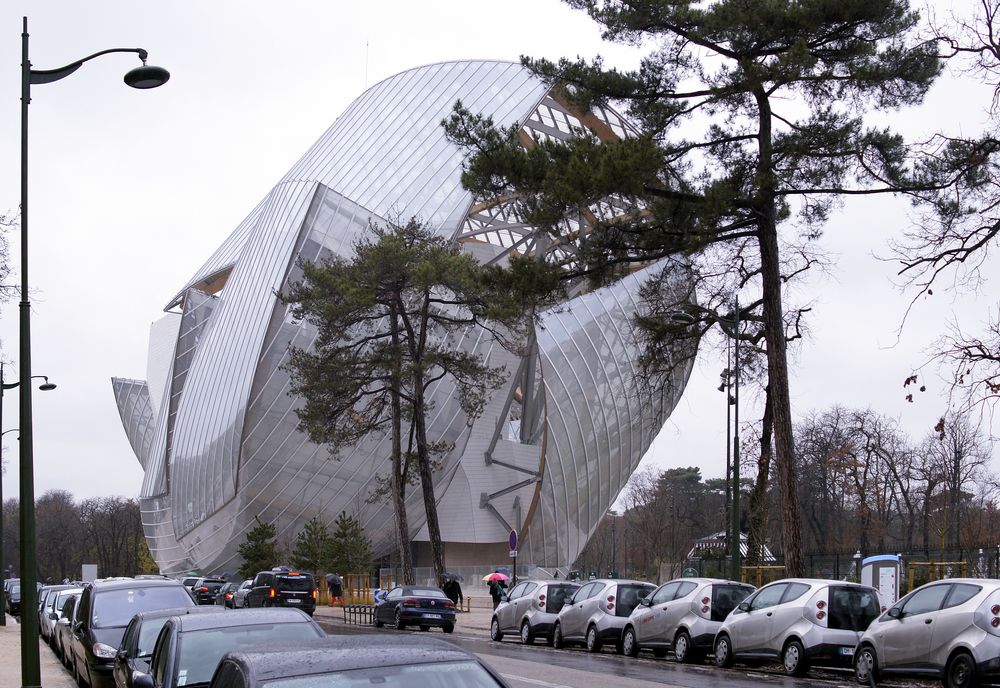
(535, 681)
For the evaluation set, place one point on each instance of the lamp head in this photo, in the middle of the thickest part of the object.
(46, 386)
(146, 76)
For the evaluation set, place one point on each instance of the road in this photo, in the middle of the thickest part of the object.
(544, 667)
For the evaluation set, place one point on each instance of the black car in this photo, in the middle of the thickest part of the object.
(416, 605)
(224, 596)
(14, 599)
(206, 589)
(103, 612)
(189, 647)
(140, 636)
(282, 587)
(354, 661)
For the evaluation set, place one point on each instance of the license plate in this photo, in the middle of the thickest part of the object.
(847, 651)
(432, 616)
(294, 601)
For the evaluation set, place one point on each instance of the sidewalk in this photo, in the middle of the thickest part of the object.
(476, 620)
(53, 674)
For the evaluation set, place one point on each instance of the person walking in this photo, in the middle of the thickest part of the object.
(496, 590)
(335, 585)
(453, 590)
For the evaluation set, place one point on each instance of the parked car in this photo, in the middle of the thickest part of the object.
(282, 587)
(682, 615)
(205, 590)
(103, 612)
(597, 612)
(188, 648)
(53, 612)
(140, 637)
(948, 630)
(46, 609)
(14, 599)
(224, 595)
(354, 661)
(800, 622)
(64, 630)
(240, 596)
(416, 605)
(530, 609)
(189, 581)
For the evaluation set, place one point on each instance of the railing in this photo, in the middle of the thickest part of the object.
(359, 614)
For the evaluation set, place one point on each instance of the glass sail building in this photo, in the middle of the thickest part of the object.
(213, 424)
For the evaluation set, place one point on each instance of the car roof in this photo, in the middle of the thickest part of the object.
(245, 617)
(131, 583)
(704, 581)
(344, 653)
(627, 581)
(174, 611)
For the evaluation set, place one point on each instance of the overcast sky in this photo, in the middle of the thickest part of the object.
(132, 190)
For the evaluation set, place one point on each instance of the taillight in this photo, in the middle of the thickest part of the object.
(820, 614)
(272, 593)
(611, 602)
(541, 601)
(203, 589)
(995, 610)
(705, 600)
(995, 622)
(229, 595)
(411, 602)
(448, 604)
(820, 605)
(315, 594)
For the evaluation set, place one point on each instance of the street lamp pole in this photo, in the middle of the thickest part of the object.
(140, 77)
(736, 541)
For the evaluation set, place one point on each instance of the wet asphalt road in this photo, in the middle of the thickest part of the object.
(545, 667)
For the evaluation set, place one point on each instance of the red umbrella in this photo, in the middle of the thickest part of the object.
(495, 576)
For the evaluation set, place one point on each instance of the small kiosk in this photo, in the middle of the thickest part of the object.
(882, 572)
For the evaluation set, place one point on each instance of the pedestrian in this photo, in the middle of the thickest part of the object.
(496, 591)
(453, 590)
(335, 585)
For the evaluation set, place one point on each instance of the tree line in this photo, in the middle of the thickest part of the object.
(106, 531)
(863, 485)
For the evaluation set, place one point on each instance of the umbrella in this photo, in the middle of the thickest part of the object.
(495, 576)
(334, 579)
(449, 575)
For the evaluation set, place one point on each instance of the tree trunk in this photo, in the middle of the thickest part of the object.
(758, 496)
(774, 335)
(398, 469)
(427, 477)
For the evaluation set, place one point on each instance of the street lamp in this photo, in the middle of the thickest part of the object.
(45, 387)
(141, 77)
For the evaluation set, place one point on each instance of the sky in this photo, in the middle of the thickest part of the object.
(132, 190)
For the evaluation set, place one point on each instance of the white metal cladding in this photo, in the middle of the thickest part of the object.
(221, 440)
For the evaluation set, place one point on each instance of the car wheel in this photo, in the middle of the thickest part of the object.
(495, 633)
(557, 638)
(682, 647)
(723, 652)
(960, 672)
(794, 659)
(400, 626)
(448, 628)
(866, 666)
(527, 636)
(593, 644)
(630, 646)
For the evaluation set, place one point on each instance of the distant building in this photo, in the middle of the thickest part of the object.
(215, 429)
(717, 544)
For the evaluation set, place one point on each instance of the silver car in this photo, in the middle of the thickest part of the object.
(682, 615)
(800, 622)
(530, 609)
(948, 629)
(240, 596)
(53, 612)
(597, 612)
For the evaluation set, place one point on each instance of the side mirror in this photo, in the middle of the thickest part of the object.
(77, 625)
(646, 602)
(504, 597)
(895, 613)
(140, 680)
(744, 606)
(53, 616)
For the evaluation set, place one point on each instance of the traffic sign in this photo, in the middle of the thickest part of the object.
(512, 540)
(513, 553)
(690, 573)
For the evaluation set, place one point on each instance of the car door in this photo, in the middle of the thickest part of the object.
(785, 614)
(649, 626)
(676, 609)
(593, 603)
(951, 621)
(506, 610)
(80, 614)
(907, 640)
(122, 670)
(571, 618)
(387, 610)
(750, 629)
(524, 602)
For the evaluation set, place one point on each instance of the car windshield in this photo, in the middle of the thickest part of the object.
(425, 592)
(295, 583)
(438, 675)
(113, 608)
(61, 599)
(199, 652)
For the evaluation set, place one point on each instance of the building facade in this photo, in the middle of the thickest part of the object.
(215, 429)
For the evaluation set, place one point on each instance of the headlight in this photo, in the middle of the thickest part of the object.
(103, 651)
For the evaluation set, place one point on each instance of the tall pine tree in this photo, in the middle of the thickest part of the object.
(259, 550)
